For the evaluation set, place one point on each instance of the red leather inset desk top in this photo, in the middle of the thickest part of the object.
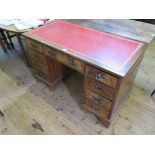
(108, 49)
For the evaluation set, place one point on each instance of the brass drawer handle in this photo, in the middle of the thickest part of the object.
(96, 109)
(99, 77)
(100, 88)
(97, 100)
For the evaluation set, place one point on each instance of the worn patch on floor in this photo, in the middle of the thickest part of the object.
(36, 125)
(1, 114)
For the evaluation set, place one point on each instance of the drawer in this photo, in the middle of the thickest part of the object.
(102, 76)
(34, 45)
(35, 55)
(100, 88)
(65, 59)
(97, 103)
(76, 64)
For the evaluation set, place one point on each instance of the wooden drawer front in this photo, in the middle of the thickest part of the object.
(97, 103)
(102, 76)
(66, 59)
(35, 55)
(63, 58)
(100, 88)
(76, 64)
(34, 45)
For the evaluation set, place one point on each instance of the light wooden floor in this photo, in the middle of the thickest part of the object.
(28, 107)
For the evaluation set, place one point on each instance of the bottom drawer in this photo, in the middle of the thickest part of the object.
(98, 104)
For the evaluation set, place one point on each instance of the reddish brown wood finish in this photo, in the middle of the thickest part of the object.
(100, 88)
(56, 71)
(105, 89)
(65, 59)
(102, 76)
(97, 102)
(45, 69)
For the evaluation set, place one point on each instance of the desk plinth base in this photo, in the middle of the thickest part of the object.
(104, 121)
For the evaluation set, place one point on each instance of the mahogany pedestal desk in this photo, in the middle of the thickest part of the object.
(109, 62)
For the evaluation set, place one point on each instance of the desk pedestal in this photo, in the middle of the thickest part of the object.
(105, 92)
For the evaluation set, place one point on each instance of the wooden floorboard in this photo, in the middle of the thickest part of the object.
(27, 106)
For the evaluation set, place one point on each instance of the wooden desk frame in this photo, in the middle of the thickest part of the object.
(97, 91)
(105, 90)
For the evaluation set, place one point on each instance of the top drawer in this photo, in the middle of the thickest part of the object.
(102, 76)
(65, 59)
(34, 45)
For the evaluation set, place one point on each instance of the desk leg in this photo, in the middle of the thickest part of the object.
(22, 49)
(3, 45)
(5, 39)
(105, 122)
(9, 37)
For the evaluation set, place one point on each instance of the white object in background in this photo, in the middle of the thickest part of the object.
(34, 23)
(6, 22)
(21, 26)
